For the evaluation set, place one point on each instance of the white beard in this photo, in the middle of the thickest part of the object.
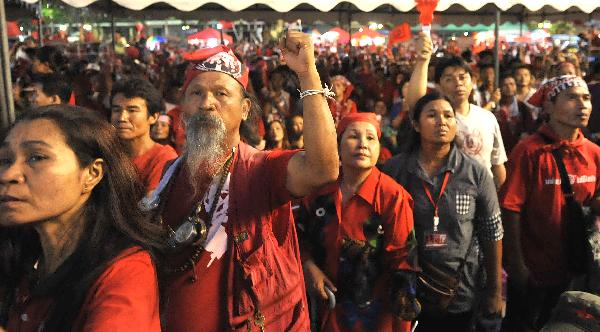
(205, 147)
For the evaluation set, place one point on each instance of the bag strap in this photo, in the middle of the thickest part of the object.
(565, 183)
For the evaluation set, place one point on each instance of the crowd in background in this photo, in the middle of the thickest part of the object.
(397, 92)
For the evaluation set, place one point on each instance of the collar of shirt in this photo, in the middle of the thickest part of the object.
(454, 159)
(572, 147)
(549, 132)
(368, 188)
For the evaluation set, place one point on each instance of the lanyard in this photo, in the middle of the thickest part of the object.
(436, 218)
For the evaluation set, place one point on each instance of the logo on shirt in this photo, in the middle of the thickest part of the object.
(470, 142)
(572, 179)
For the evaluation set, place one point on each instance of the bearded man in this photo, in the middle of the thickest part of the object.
(235, 262)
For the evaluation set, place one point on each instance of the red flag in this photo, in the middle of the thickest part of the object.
(399, 34)
(13, 30)
(226, 24)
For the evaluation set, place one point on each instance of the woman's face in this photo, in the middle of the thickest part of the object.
(436, 123)
(338, 87)
(359, 146)
(160, 130)
(276, 131)
(40, 176)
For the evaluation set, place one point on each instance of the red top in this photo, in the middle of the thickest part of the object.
(124, 298)
(532, 188)
(178, 130)
(151, 164)
(206, 305)
(379, 194)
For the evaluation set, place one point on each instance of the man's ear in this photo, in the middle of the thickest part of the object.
(152, 118)
(56, 100)
(92, 175)
(246, 106)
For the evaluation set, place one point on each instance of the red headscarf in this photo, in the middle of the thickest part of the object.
(553, 87)
(358, 117)
(220, 59)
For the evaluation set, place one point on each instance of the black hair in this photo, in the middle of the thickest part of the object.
(111, 224)
(54, 85)
(522, 66)
(53, 56)
(450, 61)
(414, 138)
(141, 88)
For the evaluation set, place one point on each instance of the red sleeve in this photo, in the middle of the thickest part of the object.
(399, 242)
(276, 173)
(165, 155)
(513, 193)
(125, 297)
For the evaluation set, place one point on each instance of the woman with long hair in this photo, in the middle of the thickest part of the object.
(456, 212)
(357, 240)
(276, 137)
(75, 252)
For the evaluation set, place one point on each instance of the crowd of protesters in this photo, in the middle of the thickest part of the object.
(288, 187)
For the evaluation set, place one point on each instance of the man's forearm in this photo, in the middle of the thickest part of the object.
(499, 172)
(417, 86)
(492, 252)
(320, 140)
(513, 253)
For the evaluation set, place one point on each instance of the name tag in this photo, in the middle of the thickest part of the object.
(436, 240)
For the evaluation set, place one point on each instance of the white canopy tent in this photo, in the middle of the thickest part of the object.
(327, 5)
(392, 11)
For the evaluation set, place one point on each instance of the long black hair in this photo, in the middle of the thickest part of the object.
(414, 138)
(112, 221)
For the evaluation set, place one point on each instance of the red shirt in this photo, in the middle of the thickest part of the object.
(381, 195)
(151, 164)
(532, 189)
(178, 130)
(218, 300)
(124, 298)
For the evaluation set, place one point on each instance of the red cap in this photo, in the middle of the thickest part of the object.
(220, 59)
(358, 117)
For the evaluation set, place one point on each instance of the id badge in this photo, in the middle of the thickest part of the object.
(436, 240)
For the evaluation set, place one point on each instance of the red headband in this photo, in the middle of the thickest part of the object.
(358, 117)
(220, 59)
(553, 87)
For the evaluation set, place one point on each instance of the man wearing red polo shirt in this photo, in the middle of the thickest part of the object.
(534, 212)
(135, 107)
(234, 263)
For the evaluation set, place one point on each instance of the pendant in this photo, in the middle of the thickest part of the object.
(185, 232)
(193, 231)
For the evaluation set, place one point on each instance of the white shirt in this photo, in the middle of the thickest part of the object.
(478, 135)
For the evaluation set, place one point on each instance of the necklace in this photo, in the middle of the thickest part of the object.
(194, 230)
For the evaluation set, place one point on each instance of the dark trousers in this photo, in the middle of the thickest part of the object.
(460, 322)
(529, 308)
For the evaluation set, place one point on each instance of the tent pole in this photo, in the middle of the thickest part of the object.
(350, 53)
(40, 25)
(497, 49)
(112, 25)
(6, 98)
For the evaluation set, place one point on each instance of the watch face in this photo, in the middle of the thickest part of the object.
(186, 232)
